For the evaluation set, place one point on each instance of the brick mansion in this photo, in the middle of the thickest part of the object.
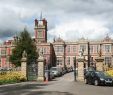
(60, 52)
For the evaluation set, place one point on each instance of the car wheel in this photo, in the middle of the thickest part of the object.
(86, 82)
(96, 83)
(112, 84)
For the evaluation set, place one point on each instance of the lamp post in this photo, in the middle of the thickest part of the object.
(64, 56)
(88, 55)
(74, 68)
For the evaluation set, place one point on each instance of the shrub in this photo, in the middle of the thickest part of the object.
(110, 72)
(11, 77)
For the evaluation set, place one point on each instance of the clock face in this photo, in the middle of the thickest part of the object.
(40, 23)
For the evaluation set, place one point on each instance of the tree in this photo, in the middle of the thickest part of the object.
(23, 42)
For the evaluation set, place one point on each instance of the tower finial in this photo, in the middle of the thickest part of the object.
(107, 36)
(59, 35)
(54, 39)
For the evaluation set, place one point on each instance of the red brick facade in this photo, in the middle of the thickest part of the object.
(60, 52)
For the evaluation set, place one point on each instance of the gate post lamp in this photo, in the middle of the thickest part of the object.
(74, 69)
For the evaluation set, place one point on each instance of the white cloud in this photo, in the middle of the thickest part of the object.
(74, 29)
(71, 19)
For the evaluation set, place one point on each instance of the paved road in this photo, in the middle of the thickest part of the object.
(60, 86)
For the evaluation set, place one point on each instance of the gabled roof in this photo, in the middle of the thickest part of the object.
(107, 39)
(59, 40)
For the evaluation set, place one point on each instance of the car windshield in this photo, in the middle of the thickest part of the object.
(102, 74)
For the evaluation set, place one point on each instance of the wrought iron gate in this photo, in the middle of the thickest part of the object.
(32, 71)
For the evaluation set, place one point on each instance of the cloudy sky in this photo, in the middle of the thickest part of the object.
(69, 19)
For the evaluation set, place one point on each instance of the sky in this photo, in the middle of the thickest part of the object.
(69, 19)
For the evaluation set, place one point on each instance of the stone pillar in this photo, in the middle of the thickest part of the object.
(99, 63)
(41, 72)
(105, 67)
(80, 76)
(24, 66)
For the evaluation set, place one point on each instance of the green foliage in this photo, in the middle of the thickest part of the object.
(23, 42)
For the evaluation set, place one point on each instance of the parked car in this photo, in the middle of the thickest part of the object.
(71, 68)
(57, 71)
(49, 75)
(66, 68)
(64, 71)
(98, 78)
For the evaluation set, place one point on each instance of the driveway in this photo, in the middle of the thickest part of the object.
(60, 86)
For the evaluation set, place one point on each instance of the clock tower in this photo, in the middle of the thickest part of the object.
(41, 30)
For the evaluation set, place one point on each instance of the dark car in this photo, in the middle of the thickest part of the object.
(98, 78)
(64, 71)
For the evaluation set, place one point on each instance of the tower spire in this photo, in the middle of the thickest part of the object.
(41, 16)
